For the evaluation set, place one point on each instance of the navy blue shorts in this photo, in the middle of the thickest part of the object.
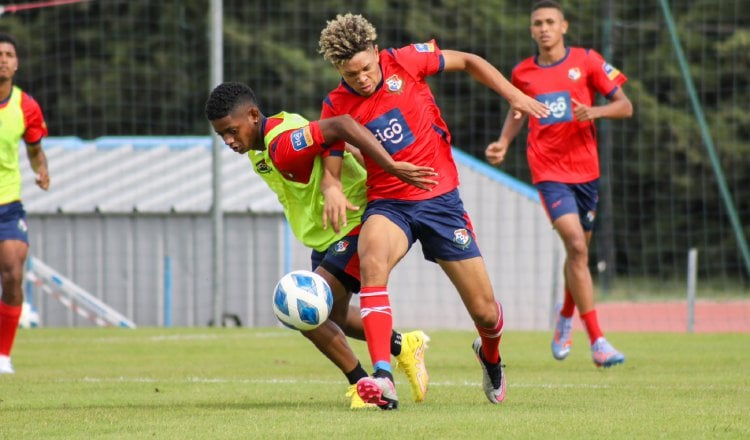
(13, 222)
(559, 199)
(441, 224)
(341, 260)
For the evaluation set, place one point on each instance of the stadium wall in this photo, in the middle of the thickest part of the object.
(113, 241)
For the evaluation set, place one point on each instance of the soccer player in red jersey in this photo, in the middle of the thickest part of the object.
(20, 117)
(386, 91)
(320, 185)
(563, 158)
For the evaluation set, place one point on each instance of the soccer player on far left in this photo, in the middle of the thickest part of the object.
(20, 117)
(322, 190)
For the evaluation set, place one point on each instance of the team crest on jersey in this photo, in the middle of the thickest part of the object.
(574, 73)
(341, 246)
(559, 106)
(461, 238)
(424, 47)
(301, 138)
(262, 167)
(392, 131)
(610, 71)
(22, 226)
(395, 84)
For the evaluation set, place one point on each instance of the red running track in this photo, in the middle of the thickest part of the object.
(710, 317)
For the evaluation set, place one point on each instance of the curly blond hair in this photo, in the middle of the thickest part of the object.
(346, 36)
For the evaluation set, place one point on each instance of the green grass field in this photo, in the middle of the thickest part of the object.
(204, 383)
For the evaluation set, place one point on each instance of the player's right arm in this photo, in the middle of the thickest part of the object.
(336, 203)
(495, 152)
(344, 128)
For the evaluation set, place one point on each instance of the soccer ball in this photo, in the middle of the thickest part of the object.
(29, 317)
(302, 300)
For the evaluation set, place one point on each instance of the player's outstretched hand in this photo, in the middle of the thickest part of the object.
(522, 105)
(335, 207)
(415, 175)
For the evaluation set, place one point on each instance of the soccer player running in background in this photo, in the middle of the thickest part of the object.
(387, 92)
(563, 158)
(20, 117)
(321, 188)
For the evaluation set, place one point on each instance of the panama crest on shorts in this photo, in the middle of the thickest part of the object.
(22, 226)
(461, 238)
(341, 246)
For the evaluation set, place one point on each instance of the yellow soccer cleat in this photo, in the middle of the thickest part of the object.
(356, 401)
(411, 362)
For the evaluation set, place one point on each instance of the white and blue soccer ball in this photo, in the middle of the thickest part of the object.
(302, 300)
(29, 317)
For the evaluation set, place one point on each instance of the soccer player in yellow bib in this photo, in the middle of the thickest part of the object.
(20, 117)
(322, 190)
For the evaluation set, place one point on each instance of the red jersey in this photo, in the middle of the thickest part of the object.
(559, 148)
(403, 115)
(293, 151)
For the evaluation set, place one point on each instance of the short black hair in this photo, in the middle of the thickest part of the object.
(548, 4)
(7, 38)
(226, 97)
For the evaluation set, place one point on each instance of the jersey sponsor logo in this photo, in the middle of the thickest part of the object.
(301, 138)
(559, 106)
(424, 47)
(262, 167)
(392, 131)
(461, 238)
(574, 73)
(610, 71)
(395, 84)
(341, 246)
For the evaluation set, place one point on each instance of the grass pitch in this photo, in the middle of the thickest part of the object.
(204, 383)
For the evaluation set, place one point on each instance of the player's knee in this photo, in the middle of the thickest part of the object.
(578, 251)
(371, 267)
(485, 315)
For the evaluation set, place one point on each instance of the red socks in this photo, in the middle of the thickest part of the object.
(9, 316)
(569, 306)
(491, 338)
(591, 323)
(375, 308)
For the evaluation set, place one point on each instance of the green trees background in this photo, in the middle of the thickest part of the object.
(140, 67)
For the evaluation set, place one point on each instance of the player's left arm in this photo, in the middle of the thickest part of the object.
(38, 161)
(485, 73)
(36, 129)
(618, 107)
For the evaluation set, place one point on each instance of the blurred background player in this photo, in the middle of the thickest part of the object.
(20, 117)
(387, 92)
(564, 160)
(321, 188)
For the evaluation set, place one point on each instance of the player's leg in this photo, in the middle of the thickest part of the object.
(329, 338)
(575, 229)
(448, 238)
(14, 247)
(341, 265)
(559, 202)
(382, 244)
(12, 258)
(473, 285)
